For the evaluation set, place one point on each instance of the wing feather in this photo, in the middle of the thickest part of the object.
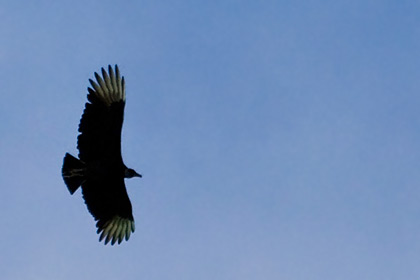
(101, 123)
(107, 200)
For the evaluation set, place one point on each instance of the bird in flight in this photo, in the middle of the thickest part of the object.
(100, 170)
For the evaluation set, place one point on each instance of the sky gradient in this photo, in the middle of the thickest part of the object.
(276, 139)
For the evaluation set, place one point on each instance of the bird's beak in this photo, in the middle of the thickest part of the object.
(137, 174)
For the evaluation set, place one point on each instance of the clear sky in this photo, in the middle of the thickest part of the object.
(277, 139)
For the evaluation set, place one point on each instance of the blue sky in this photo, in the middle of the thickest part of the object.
(277, 139)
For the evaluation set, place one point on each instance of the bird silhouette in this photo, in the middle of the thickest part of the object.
(100, 170)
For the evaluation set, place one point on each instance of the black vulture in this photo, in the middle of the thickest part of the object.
(100, 169)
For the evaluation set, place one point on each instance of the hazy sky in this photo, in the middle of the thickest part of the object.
(277, 139)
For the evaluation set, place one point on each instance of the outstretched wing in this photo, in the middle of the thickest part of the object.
(108, 202)
(102, 119)
(99, 145)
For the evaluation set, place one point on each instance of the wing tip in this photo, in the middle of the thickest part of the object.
(115, 230)
(110, 87)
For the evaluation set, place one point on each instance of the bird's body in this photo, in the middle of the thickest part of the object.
(100, 169)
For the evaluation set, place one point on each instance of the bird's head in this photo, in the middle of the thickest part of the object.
(130, 173)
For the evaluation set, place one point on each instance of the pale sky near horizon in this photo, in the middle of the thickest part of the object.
(277, 139)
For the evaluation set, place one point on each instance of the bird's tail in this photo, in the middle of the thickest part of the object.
(73, 172)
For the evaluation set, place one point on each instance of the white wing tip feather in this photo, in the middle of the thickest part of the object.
(116, 229)
(110, 87)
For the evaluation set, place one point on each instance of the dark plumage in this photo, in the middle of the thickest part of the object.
(100, 169)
